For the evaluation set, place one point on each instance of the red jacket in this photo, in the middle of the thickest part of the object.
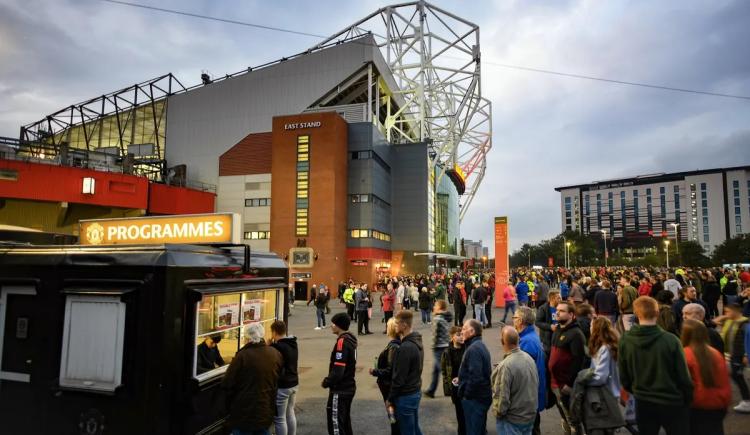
(717, 397)
(388, 298)
(644, 289)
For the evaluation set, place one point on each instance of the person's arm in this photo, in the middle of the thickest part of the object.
(464, 373)
(219, 359)
(230, 379)
(600, 364)
(445, 369)
(341, 357)
(500, 392)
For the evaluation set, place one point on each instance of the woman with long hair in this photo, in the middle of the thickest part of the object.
(603, 351)
(711, 393)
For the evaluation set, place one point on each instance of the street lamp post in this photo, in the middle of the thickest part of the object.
(666, 249)
(676, 241)
(567, 255)
(604, 236)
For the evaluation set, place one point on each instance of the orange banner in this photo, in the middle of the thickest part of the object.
(502, 266)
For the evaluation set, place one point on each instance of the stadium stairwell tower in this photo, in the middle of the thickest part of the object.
(435, 58)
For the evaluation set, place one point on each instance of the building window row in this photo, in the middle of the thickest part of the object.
(370, 154)
(303, 185)
(258, 202)
(257, 235)
(704, 210)
(737, 209)
(368, 197)
(694, 213)
(369, 234)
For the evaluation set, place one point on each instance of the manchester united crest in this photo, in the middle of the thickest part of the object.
(95, 234)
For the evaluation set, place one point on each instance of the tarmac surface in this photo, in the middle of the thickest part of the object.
(436, 416)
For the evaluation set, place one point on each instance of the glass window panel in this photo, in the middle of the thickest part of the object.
(303, 157)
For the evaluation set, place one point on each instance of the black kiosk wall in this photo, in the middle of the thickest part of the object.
(103, 339)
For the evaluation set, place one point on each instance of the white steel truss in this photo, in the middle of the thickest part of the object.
(435, 58)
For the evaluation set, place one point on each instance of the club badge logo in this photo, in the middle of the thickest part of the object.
(95, 234)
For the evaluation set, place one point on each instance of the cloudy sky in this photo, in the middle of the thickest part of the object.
(548, 130)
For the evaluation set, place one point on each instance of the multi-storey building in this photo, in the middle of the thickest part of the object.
(705, 206)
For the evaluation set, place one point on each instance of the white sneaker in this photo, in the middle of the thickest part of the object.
(743, 406)
(318, 328)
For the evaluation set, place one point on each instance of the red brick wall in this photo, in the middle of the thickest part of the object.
(251, 155)
(327, 193)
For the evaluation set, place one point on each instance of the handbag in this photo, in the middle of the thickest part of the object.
(601, 408)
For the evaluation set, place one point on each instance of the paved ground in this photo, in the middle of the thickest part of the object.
(368, 415)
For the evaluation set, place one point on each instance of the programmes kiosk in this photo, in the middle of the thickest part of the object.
(119, 338)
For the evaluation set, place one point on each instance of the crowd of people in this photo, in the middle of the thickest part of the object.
(607, 348)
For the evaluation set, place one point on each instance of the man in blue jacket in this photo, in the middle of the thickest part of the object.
(473, 380)
(523, 321)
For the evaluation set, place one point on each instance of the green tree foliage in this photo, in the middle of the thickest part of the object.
(692, 254)
(734, 250)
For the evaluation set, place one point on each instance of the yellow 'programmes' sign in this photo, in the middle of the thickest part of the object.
(203, 228)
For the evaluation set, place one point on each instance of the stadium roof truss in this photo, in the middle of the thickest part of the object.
(435, 59)
(108, 121)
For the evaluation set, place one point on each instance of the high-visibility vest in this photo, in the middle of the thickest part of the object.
(349, 295)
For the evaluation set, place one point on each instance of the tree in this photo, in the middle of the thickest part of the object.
(692, 254)
(734, 250)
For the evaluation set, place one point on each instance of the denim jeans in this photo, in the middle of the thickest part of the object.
(285, 420)
(407, 413)
(251, 432)
(321, 314)
(425, 316)
(504, 427)
(479, 314)
(509, 306)
(437, 354)
(475, 414)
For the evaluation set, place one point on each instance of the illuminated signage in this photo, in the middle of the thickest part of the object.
(196, 229)
(298, 125)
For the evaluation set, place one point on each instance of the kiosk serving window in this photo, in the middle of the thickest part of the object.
(220, 327)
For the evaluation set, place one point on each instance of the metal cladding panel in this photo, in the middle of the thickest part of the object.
(204, 123)
(409, 201)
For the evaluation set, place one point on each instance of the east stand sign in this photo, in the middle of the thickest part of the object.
(156, 230)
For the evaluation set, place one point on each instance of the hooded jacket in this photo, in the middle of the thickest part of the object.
(652, 366)
(441, 330)
(342, 365)
(407, 367)
(568, 354)
(287, 347)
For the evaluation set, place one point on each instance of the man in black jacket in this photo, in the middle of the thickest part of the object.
(340, 379)
(546, 320)
(285, 420)
(474, 387)
(406, 381)
(250, 384)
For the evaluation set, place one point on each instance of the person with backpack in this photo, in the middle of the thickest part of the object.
(735, 331)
